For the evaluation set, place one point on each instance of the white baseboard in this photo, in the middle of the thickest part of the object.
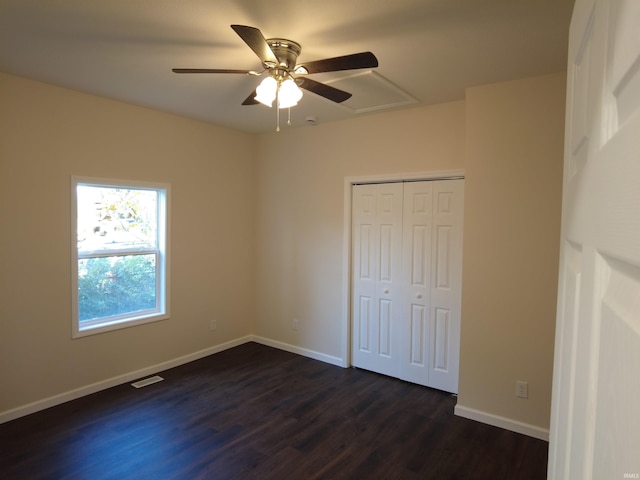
(54, 400)
(118, 380)
(502, 422)
(298, 350)
(459, 410)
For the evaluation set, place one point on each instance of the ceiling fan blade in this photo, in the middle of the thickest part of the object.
(323, 90)
(346, 62)
(256, 41)
(209, 70)
(251, 99)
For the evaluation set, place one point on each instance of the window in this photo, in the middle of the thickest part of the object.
(119, 260)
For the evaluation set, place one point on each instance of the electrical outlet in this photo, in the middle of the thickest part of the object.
(213, 326)
(294, 324)
(522, 389)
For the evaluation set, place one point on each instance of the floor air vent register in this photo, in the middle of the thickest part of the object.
(147, 381)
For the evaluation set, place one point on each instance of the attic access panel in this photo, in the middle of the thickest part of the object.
(371, 91)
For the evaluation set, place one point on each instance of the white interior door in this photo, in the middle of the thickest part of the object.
(407, 268)
(595, 421)
(377, 269)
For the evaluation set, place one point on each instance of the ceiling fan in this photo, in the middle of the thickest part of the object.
(279, 58)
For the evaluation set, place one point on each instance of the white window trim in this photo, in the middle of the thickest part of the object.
(162, 260)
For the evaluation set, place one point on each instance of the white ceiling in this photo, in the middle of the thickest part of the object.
(125, 49)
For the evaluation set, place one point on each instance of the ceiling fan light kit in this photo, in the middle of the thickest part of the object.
(286, 92)
(266, 91)
(282, 84)
(289, 94)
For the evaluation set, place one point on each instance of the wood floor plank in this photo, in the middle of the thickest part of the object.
(254, 412)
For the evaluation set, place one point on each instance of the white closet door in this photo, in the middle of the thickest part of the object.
(446, 285)
(432, 276)
(377, 269)
(407, 269)
(416, 274)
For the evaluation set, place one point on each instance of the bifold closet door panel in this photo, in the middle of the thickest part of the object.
(377, 270)
(446, 284)
(416, 275)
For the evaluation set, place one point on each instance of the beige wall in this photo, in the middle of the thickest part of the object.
(271, 208)
(513, 187)
(48, 134)
(300, 215)
(512, 134)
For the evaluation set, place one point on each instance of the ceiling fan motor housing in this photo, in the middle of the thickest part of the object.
(286, 51)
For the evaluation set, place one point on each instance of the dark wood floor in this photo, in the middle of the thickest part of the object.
(253, 412)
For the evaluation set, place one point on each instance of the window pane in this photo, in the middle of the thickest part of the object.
(112, 218)
(110, 286)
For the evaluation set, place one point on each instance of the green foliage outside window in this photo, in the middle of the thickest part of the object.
(110, 286)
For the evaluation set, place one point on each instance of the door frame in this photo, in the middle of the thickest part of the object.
(349, 182)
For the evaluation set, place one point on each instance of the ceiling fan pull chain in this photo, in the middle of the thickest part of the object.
(289, 118)
(278, 108)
